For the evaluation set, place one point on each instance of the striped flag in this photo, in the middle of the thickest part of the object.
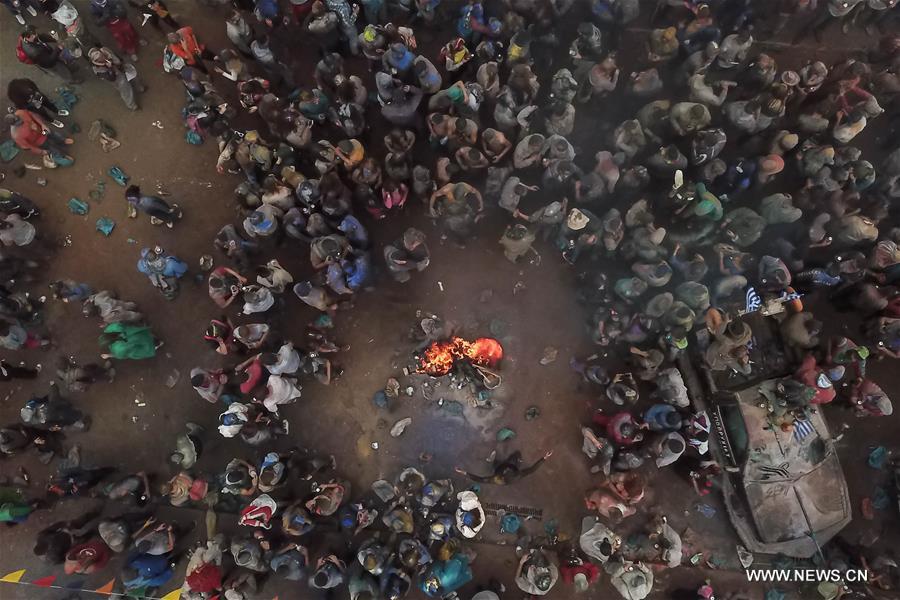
(802, 428)
(753, 301)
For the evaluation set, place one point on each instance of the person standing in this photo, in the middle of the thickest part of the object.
(275, 70)
(67, 16)
(155, 11)
(409, 253)
(108, 66)
(183, 44)
(347, 21)
(25, 95)
(45, 53)
(113, 15)
(239, 32)
(17, 6)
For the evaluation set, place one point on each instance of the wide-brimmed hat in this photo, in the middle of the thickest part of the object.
(577, 220)
(771, 164)
(790, 78)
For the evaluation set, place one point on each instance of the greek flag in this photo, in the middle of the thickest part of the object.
(802, 428)
(754, 302)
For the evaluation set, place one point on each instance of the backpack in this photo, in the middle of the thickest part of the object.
(20, 53)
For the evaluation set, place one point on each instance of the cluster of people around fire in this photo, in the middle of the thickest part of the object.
(693, 190)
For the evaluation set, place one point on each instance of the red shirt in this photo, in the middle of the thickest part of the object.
(255, 373)
(87, 558)
(29, 134)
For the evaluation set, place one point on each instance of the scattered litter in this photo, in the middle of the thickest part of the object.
(374, 445)
(400, 426)
(380, 399)
(142, 404)
(67, 98)
(510, 523)
(878, 457)
(441, 285)
(505, 434)
(78, 207)
(384, 490)
(105, 225)
(498, 327)
(99, 127)
(134, 419)
(452, 407)
(8, 151)
(173, 378)
(108, 144)
(695, 559)
(550, 354)
(551, 528)
(880, 499)
(532, 413)
(206, 263)
(119, 176)
(132, 241)
(157, 124)
(744, 556)
(102, 132)
(324, 321)
(99, 190)
(67, 241)
(706, 510)
(33, 167)
(410, 390)
(520, 286)
(392, 388)
(42, 182)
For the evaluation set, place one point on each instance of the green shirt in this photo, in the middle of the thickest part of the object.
(12, 512)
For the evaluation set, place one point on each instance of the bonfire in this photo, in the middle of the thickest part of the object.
(440, 357)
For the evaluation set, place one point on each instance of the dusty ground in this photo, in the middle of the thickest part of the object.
(340, 419)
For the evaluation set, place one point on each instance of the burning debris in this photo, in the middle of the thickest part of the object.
(440, 357)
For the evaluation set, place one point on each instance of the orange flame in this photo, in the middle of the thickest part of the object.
(439, 356)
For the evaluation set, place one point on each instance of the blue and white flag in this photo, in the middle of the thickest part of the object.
(802, 428)
(754, 302)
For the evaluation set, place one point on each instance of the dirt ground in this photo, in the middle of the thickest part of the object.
(340, 419)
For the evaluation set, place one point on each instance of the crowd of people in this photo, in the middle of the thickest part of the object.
(704, 184)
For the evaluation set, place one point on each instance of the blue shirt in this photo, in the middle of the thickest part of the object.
(467, 13)
(153, 571)
(335, 278)
(267, 9)
(357, 271)
(354, 231)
